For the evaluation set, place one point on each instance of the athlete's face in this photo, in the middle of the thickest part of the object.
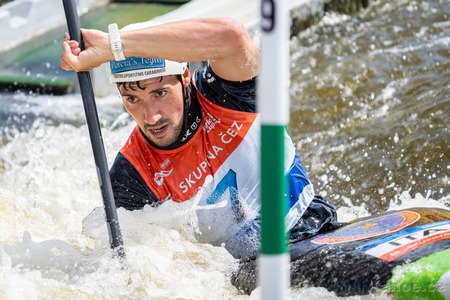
(157, 107)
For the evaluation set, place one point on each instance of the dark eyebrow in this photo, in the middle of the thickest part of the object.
(126, 94)
(157, 90)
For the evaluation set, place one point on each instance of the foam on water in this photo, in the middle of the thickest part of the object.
(53, 237)
(54, 240)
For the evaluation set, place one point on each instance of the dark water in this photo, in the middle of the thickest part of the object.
(370, 102)
(370, 108)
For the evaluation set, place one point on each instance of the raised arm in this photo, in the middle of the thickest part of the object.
(224, 42)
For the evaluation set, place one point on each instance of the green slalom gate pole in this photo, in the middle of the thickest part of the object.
(273, 103)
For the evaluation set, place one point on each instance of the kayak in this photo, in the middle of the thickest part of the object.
(404, 252)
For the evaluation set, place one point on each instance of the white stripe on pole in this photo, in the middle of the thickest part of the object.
(274, 276)
(273, 105)
(274, 90)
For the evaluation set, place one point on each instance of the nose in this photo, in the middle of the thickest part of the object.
(151, 114)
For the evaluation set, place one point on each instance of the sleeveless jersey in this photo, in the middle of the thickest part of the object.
(221, 161)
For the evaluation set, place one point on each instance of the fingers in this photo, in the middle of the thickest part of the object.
(71, 49)
(73, 58)
(63, 56)
(69, 55)
(74, 47)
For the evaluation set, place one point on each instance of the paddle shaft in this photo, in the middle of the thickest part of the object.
(95, 134)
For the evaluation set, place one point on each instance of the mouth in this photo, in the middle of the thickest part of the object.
(158, 132)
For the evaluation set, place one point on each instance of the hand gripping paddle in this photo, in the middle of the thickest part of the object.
(93, 124)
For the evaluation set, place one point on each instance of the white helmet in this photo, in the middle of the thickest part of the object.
(139, 68)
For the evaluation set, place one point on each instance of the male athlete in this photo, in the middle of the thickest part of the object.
(198, 135)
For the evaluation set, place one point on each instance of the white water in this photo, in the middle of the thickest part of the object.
(53, 238)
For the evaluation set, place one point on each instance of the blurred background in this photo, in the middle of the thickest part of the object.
(370, 104)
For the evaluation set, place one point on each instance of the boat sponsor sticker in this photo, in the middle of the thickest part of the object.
(400, 243)
(372, 227)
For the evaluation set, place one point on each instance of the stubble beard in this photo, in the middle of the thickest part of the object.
(165, 141)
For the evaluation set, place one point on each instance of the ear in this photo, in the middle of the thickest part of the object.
(186, 77)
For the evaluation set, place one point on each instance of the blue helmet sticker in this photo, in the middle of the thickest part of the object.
(136, 63)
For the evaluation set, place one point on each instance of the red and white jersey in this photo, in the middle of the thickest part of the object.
(222, 157)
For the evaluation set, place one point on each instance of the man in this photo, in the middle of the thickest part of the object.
(197, 137)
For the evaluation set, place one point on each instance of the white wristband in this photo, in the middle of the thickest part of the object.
(115, 42)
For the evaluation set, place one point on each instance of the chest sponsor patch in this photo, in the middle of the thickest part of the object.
(381, 225)
(396, 245)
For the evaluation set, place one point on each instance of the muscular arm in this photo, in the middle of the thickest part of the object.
(224, 42)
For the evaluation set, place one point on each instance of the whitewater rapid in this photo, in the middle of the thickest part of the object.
(370, 118)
